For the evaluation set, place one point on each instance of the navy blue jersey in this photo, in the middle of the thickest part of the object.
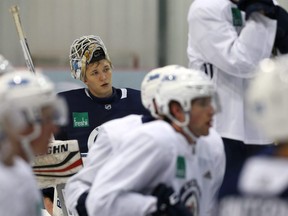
(86, 112)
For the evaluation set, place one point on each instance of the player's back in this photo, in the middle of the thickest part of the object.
(108, 138)
(151, 154)
(110, 135)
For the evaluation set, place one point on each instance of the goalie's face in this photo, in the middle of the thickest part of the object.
(98, 78)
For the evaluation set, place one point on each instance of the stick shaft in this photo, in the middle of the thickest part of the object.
(23, 41)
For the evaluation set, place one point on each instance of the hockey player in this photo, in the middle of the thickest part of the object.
(160, 154)
(262, 189)
(227, 39)
(29, 113)
(109, 137)
(100, 101)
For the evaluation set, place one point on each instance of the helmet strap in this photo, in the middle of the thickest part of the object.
(189, 134)
(184, 125)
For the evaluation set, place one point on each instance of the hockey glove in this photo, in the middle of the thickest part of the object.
(266, 7)
(281, 40)
(168, 202)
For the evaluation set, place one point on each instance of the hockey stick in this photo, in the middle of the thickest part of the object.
(23, 41)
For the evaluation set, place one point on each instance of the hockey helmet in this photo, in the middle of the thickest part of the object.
(267, 100)
(150, 83)
(83, 51)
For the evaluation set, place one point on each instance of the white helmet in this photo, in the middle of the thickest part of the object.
(267, 97)
(22, 97)
(150, 84)
(183, 86)
(5, 65)
(85, 50)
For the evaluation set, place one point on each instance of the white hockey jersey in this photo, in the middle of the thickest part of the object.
(230, 48)
(149, 155)
(19, 194)
(210, 149)
(212, 162)
(109, 136)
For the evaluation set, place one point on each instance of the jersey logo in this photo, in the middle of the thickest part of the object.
(80, 119)
(108, 106)
(180, 167)
(190, 195)
(237, 17)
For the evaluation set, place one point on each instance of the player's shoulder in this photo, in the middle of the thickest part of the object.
(157, 136)
(72, 93)
(132, 91)
(209, 8)
(129, 93)
(158, 130)
(213, 139)
(264, 175)
(19, 170)
(119, 123)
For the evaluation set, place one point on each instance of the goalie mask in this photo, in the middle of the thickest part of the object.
(5, 65)
(23, 96)
(267, 100)
(83, 51)
(183, 86)
(150, 83)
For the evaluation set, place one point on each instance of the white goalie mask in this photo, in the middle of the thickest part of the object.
(150, 84)
(5, 65)
(23, 95)
(267, 98)
(183, 86)
(83, 51)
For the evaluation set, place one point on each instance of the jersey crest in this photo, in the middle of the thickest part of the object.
(190, 195)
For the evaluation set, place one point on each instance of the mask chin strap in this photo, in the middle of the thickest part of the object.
(184, 126)
(187, 131)
(26, 142)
